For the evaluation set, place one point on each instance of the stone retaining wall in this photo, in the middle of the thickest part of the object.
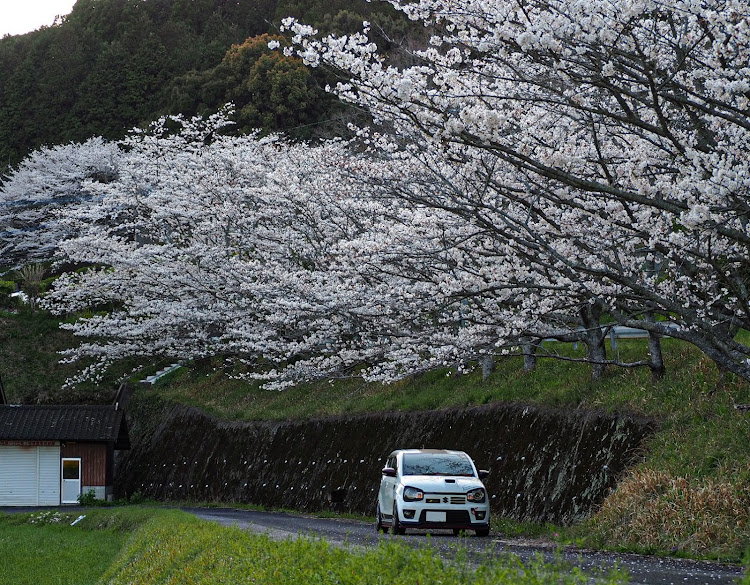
(546, 465)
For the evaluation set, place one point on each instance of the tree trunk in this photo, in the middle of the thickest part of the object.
(656, 359)
(529, 349)
(202, 364)
(721, 380)
(487, 362)
(594, 338)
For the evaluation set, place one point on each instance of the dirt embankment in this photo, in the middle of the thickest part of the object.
(546, 465)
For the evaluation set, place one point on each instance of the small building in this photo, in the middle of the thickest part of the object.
(50, 454)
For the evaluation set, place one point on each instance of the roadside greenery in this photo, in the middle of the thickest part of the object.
(652, 511)
(190, 551)
(688, 496)
(43, 548)
(149, 545)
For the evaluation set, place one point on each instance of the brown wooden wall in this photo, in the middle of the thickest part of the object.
(96, 461)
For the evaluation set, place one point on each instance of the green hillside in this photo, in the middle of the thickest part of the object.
(691, 491)
(29, 362)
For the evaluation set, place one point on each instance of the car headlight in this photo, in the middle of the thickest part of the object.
(478, 495)
(412, 494)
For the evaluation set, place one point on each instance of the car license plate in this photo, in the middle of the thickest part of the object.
(435, 517)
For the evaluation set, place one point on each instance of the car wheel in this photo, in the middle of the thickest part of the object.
(379, 527)
(482, 531)
(395, 524)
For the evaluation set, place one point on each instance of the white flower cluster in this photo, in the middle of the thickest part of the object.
(49, 517)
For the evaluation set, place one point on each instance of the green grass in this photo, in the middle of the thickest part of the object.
(122, 546)
(188, 551)
(44, 549)
(686, 387)
(130, 545)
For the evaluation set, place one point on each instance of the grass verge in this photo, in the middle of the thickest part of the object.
(690, 389)
(191, 552)
(149, 546)
(652, 511)
(44, 549)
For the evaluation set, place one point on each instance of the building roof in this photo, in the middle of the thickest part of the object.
(85, 423)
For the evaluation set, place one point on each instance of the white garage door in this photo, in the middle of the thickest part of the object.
(29, 475)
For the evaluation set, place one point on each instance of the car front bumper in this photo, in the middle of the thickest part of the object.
(454, 517)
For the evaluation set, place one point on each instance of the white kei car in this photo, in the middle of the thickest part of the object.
(432, 488)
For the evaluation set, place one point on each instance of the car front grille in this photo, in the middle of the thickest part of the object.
(454, 500)
(451, 517)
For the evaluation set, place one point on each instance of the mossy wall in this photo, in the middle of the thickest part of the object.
(546, 465)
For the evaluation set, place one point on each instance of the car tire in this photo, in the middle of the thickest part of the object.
(379, 527)
(482, 531)
(395, 524)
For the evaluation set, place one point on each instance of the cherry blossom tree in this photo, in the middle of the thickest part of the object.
(215, 245)
(604, 145)
(300, 262)
(49, 179)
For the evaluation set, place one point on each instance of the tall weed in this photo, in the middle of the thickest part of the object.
(653, 511)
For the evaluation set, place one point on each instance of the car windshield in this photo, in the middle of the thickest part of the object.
(436, 464)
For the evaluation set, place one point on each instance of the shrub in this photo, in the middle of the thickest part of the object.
(88, 499)
(46, 283)
(136, 498)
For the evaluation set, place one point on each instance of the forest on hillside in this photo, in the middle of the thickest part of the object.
(111, 65)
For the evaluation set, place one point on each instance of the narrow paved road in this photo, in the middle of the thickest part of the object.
(643, 570)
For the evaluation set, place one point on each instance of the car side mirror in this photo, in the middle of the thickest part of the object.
(483, 474)
(389, 471)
